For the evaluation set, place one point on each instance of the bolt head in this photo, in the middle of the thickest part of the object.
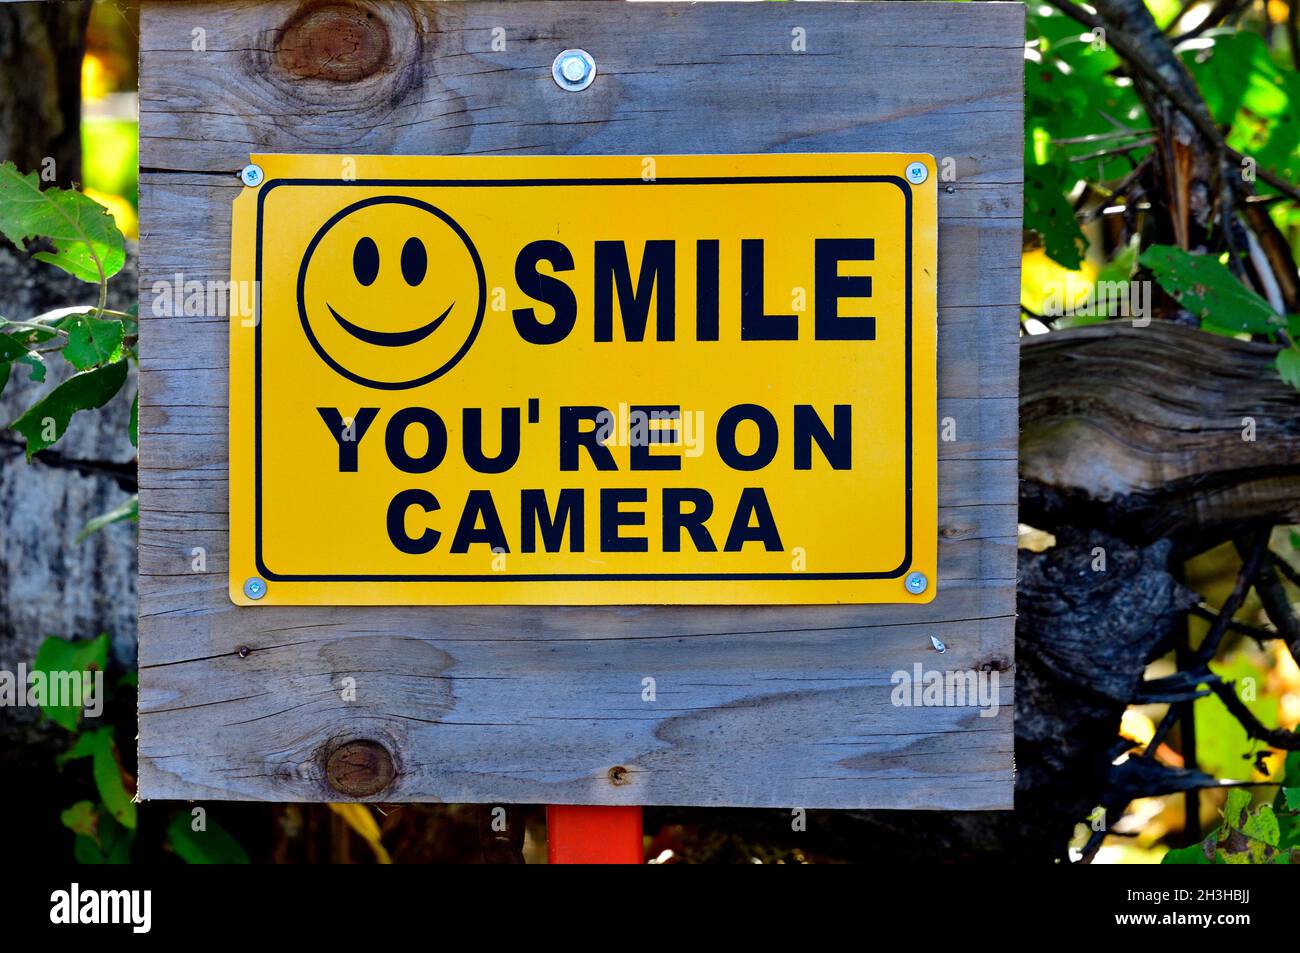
(573, 70)
(254, 588)
(917, 173)
(251, 175)
(916, 583)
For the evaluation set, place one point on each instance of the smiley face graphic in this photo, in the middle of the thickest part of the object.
(391, 292)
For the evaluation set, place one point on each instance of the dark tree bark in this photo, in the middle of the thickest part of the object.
(41, 48)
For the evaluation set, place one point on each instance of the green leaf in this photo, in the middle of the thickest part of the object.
(1223, 747)
(107, 770)
(1262, 825)
(133, 428)
(83, 747)
(86, 241)
(1246, 90)
(128, 509)
(1210, 291)
(1186, 855)
(1287, 801)
(214, 845)
(1049, 214)
(1288, 366)
(10, 348)
(92, 341)
(113, 846)
(83, 391)
(82, 818)
(36, 366)
(10, 351)
(86, 851)
(60, 656)
(1247, 837)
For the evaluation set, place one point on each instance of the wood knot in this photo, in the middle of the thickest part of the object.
(337, 42)
(360, 768)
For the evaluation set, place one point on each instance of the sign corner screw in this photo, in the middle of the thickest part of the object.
(917, 173)
(254, 588)
(573, 70)
(916, 583)
(251, 175)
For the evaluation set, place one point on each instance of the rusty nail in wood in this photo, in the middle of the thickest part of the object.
(618, 775)
(360, 768)
(244, 651)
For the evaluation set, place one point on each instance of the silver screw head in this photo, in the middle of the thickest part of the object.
(251, 175)
(916, 583)
(254, 588)
(574, 70)
(917, 173)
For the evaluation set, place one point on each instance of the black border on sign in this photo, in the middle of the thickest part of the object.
(903, 186)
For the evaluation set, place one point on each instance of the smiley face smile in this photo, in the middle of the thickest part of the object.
(390, 338)
(373, 268)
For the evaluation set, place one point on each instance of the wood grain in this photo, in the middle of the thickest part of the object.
(1158, 431)
(755, 706)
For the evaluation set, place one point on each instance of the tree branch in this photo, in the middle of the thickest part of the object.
(1140, 63)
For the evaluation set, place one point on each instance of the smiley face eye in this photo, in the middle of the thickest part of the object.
(415, 261)
(365, 261)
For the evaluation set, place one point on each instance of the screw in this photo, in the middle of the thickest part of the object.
(916, 583)
(251, 175)
(574, 70)
(916, 174)
(243, 651)
(254, 588)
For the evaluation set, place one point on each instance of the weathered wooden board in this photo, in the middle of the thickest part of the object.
(775, 706)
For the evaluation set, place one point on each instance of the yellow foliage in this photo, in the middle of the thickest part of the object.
(96, 82)
(359, 818)
(1136, 727)
(1044, 281)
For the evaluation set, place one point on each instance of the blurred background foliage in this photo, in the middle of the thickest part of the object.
(1086, 134)
(110, 123)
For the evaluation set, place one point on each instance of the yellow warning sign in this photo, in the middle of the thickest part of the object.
(584, 380)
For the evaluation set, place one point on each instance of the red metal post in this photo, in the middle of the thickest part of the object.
(581, 834)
